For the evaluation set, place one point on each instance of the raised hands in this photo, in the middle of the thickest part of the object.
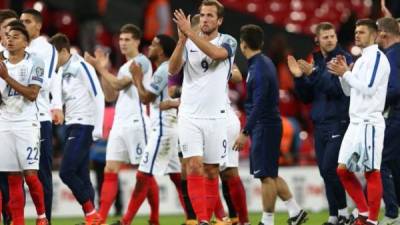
(99, 60)
(137, 73)
(3, 71)
(294, 66)
(338, 66)
(182, 21)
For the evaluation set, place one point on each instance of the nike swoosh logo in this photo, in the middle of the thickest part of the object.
(257, 171)
(336, 136)
(70, 138)
(30, 163)
(191, 50)
(41, 140)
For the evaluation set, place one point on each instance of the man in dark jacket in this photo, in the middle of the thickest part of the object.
(389, 40)
(264, 126)
(314, 84)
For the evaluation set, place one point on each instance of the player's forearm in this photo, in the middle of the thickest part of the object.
(175, 61)
(30, 92)
(109, 93)
(115, 83)
(144, 95)
(212, 51)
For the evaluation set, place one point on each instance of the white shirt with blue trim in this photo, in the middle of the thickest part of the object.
(51, 82)
(159, 86)
(205, 80)
(15, 108)
(128, 107)
(366, 84)
(82, 95)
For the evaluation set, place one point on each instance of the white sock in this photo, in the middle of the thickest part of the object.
(332, 219)
(344, 212)
(292, 207)
(267, 218)
(363, 214)
(42, 216)
(373, 222)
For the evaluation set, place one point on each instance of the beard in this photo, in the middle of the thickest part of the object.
(208, 31)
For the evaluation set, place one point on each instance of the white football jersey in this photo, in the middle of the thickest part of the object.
(205, 80)
(16, 108)
(366, 85)
(159, 87)
(82, 95)
(51, 82)
(128, 107)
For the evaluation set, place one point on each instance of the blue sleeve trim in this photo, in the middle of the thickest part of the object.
(90, 78)
(53, 54)
(228, 48)
(378, 56)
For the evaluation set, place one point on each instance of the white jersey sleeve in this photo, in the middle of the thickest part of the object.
(158, 81)
(37, 72)
(373, 67)
(230, 44)
(93, 84)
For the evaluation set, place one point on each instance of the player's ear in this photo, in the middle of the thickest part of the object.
(316, 41)
(220, 20)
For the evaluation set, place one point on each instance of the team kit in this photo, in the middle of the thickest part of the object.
(192, 133)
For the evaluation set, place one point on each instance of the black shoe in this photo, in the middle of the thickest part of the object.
(260, 223)
(342, 220)
(351, 219)
(327, 223)
(299, 219)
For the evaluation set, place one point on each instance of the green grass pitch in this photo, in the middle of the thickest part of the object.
(315, 218)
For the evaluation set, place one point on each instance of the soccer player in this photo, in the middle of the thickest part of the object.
(6, 16)
(21, 79)
(84, 109)
(264, 126)
(128, 136)
(161, 153)
(206, 58)
(389, 40)
(361, 148)
(314, 84)
(48, 110)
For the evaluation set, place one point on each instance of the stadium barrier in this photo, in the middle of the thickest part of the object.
(305, 183)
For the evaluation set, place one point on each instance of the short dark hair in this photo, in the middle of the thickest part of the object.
(7, 14)
(132, 29)
(216, 3)
(167, 44)
(23, 30)
(36, 14)
(371, 24)
(389, 25)
(16, 23)
(324, 26)
(60, 41)
(253, 36)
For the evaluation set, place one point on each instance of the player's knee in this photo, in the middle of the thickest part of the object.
(65, 175)
(111, 168)
(229, 173)
(195, 167)
(211, 170)
(328, 172)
